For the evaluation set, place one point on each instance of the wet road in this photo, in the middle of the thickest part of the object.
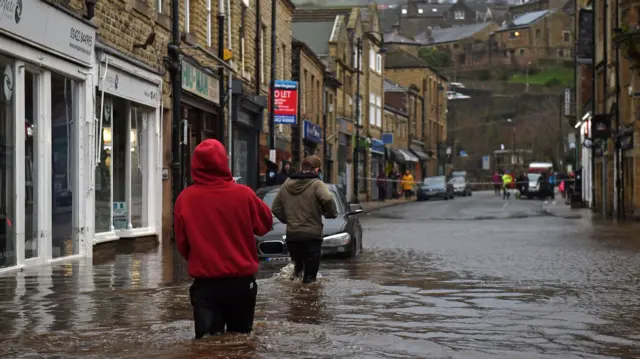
(475, 277)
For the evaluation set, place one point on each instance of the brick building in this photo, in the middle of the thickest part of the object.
(430, 133)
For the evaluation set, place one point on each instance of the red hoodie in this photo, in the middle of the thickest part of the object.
(215, 219)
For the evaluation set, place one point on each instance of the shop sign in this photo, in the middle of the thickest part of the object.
(285, 95)
(119, 83)
(377, 146)
(200, 83)
(120, 215)
(7, 82)
(312, 132)
(387, 138)
(345, 126)
(48, 27)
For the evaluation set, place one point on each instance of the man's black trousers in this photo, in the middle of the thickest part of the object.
(306, 258)
(223, 302)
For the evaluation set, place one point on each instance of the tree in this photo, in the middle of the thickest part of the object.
(434, 57)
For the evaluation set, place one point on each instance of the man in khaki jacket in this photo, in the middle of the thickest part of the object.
(300, 204)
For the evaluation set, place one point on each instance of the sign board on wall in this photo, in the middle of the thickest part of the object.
(49, 28)
(200, 83)
(312, 132)
(567, 102)
(486, 163)
(121, 84)
(285, 94)
(120, 215)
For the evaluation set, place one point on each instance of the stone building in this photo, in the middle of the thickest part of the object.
(430, 134)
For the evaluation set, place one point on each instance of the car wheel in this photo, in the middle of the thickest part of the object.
(446, 198)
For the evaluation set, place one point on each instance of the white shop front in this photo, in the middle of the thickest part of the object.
(46, 109)
(126, 161)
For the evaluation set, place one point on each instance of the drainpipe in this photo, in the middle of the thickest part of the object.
(229, 95)
(258, 89)
(175, 67)
(324, 127)
(424, 122)
(272, 100)
(221, 89)
(618, 151)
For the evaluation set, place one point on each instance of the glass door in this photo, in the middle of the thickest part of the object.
(8, 256)
(33, 118)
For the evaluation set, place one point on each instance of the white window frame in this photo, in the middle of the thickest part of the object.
(372, 59)
(459, 15)
(372, 109)
(379, 63)
(159, 4)
(187, 16)
(209, 24)
(246, 2)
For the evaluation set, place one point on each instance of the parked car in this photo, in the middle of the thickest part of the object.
(342, 235)
(435, 187)
(460, 186)
(533, 190)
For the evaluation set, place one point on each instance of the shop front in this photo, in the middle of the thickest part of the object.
(199, 104)
(423, 159)
(247, 115)
(46, 113)
(376, 150)
(311, 138)
(127, 160)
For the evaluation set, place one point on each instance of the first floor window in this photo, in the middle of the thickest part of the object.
(378, 111)
(372, 109)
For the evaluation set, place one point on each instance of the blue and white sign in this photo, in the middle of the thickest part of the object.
(387, 138)
(377, 146)
(486, 165)
(312, 132)
(463, 153)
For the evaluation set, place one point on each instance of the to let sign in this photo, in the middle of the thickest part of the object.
(200, 83)
(285, 94)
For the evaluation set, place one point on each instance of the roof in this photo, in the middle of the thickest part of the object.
(451, 34)
(314, 34)
(390, 86)
(525, 19)
(400, 59)
(388, 18)
(303, 45)
(396, 38)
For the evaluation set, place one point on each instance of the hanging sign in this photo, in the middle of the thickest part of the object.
(285, 95)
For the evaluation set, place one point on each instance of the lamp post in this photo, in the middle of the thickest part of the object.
(527, 76)
(356, 148)
(438, 144)
(514, 159)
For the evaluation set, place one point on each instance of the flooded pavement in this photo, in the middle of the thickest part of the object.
(471, 278)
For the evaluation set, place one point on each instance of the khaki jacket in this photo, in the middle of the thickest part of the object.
(300, 204)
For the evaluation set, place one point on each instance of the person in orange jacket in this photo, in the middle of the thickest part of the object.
(407, 184)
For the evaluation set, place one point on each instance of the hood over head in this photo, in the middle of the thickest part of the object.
(210, 164)
(299, 182)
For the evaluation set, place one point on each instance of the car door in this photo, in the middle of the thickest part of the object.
(353, 226)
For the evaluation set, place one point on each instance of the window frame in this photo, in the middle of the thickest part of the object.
(187, 16)
(458, 15)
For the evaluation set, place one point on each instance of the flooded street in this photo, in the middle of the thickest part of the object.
(476, 277)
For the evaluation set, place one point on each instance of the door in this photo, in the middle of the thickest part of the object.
(33, 160)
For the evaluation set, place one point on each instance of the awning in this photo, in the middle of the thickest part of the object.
(377, 146)
(397, 156)
(408, 156)
(421, 155)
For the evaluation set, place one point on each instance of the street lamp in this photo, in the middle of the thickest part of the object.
(356, 148)
(514, 160)
(527, 76)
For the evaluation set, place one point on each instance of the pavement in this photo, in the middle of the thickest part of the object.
(376, 205)
(559, 208)
(474, 277)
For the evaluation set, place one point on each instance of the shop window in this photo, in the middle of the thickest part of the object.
(31, 149)
(121, 183)
(63, 112)
(7, 166)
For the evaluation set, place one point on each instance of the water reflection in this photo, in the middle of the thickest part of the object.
(574, 294)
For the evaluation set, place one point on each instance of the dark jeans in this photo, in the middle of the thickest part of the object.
(408, 193)
(306, 258)
(496, 188)
(220, 302)
(382, 193)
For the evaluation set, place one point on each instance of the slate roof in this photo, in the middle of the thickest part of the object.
(314, 33)
(400, 59)
(395, 37)
(452, 34)
(388, 18)
(390, 86)
(525, 19)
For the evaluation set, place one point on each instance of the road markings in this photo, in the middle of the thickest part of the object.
(505, 205)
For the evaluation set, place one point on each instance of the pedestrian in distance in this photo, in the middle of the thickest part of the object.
(407, 184)
(497, 182)
(215, 221)
(284, 173)
(300, 204)
(506, 182)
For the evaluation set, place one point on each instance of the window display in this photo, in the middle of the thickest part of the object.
(63, 112)
(7, 165)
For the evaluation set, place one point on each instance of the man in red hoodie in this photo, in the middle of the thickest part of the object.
(215, 221)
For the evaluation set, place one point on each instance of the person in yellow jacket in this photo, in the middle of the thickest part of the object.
(407, 184)
(507, 179)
